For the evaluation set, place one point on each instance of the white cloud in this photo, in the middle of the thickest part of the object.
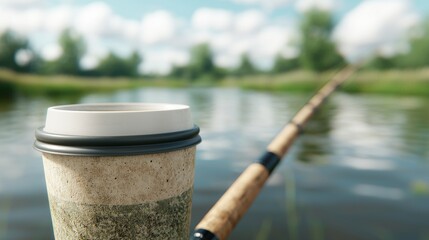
(97, 20)
(212, 19)
(289, 52)
(89, 62)
(270, 41)
(59, 18)
(375, 26)
(325, 5)
(201, 36)
(249, 21)
(23, 21)
(262, 45)
(161, 60)
(158, 27)
(51, 52)
(160, 36)
(268, 4)
(94, 18)
(130, 30)
(218, 42)
(23, 57)
(226, 60)
(240, 46)
(30, 21)
(21, 3)
(248, 32)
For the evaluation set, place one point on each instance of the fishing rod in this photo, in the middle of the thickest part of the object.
(221, 219)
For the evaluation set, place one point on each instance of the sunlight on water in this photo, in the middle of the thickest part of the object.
(362, 162)
(368, 164)
(378, 192)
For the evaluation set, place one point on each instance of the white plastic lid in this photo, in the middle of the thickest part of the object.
(117, 119)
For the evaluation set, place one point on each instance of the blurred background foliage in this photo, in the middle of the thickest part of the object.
(317, 53)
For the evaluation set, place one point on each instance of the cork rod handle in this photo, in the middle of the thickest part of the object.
(219, 222)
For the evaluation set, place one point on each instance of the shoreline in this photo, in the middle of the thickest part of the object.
(58, 85)
(389, 82)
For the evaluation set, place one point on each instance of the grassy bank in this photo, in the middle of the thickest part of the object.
(392, 82)
(11, 82)
(398, 82)
(297, 81)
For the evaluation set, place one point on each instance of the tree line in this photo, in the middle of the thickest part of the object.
(68, 63)
(317, 52)
(417, 55)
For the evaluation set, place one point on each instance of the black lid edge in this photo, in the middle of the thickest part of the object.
(115, 150)
(73, 140)
(115, 145)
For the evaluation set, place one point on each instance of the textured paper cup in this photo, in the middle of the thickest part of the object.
(119, 171)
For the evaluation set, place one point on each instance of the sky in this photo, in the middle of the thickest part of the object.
(164, 31)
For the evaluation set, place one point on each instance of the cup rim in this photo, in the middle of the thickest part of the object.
(103, 129)
(117, 119)
(98, 108)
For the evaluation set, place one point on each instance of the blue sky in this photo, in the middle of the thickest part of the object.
(184, 8)
(163, 31)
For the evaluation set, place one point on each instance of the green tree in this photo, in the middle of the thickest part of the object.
(282, 64)
(73, 48)
(114, 66)
(179, 71)
(10, 45)
(134, 61)
(382, 63)
(418, 56)
(201, 63)
(246, 66)
(318, 52)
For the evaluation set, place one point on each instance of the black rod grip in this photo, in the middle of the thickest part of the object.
(202, 234)
(269, 160)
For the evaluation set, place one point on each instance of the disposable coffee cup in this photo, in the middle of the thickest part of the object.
(119, 171)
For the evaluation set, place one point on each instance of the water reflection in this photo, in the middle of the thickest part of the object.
(5, 105)
(358, 172)
(368, 164)
(201, 109)
(378, 192)
(314, 147)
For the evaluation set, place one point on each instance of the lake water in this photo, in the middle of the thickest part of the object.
(360, 170)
